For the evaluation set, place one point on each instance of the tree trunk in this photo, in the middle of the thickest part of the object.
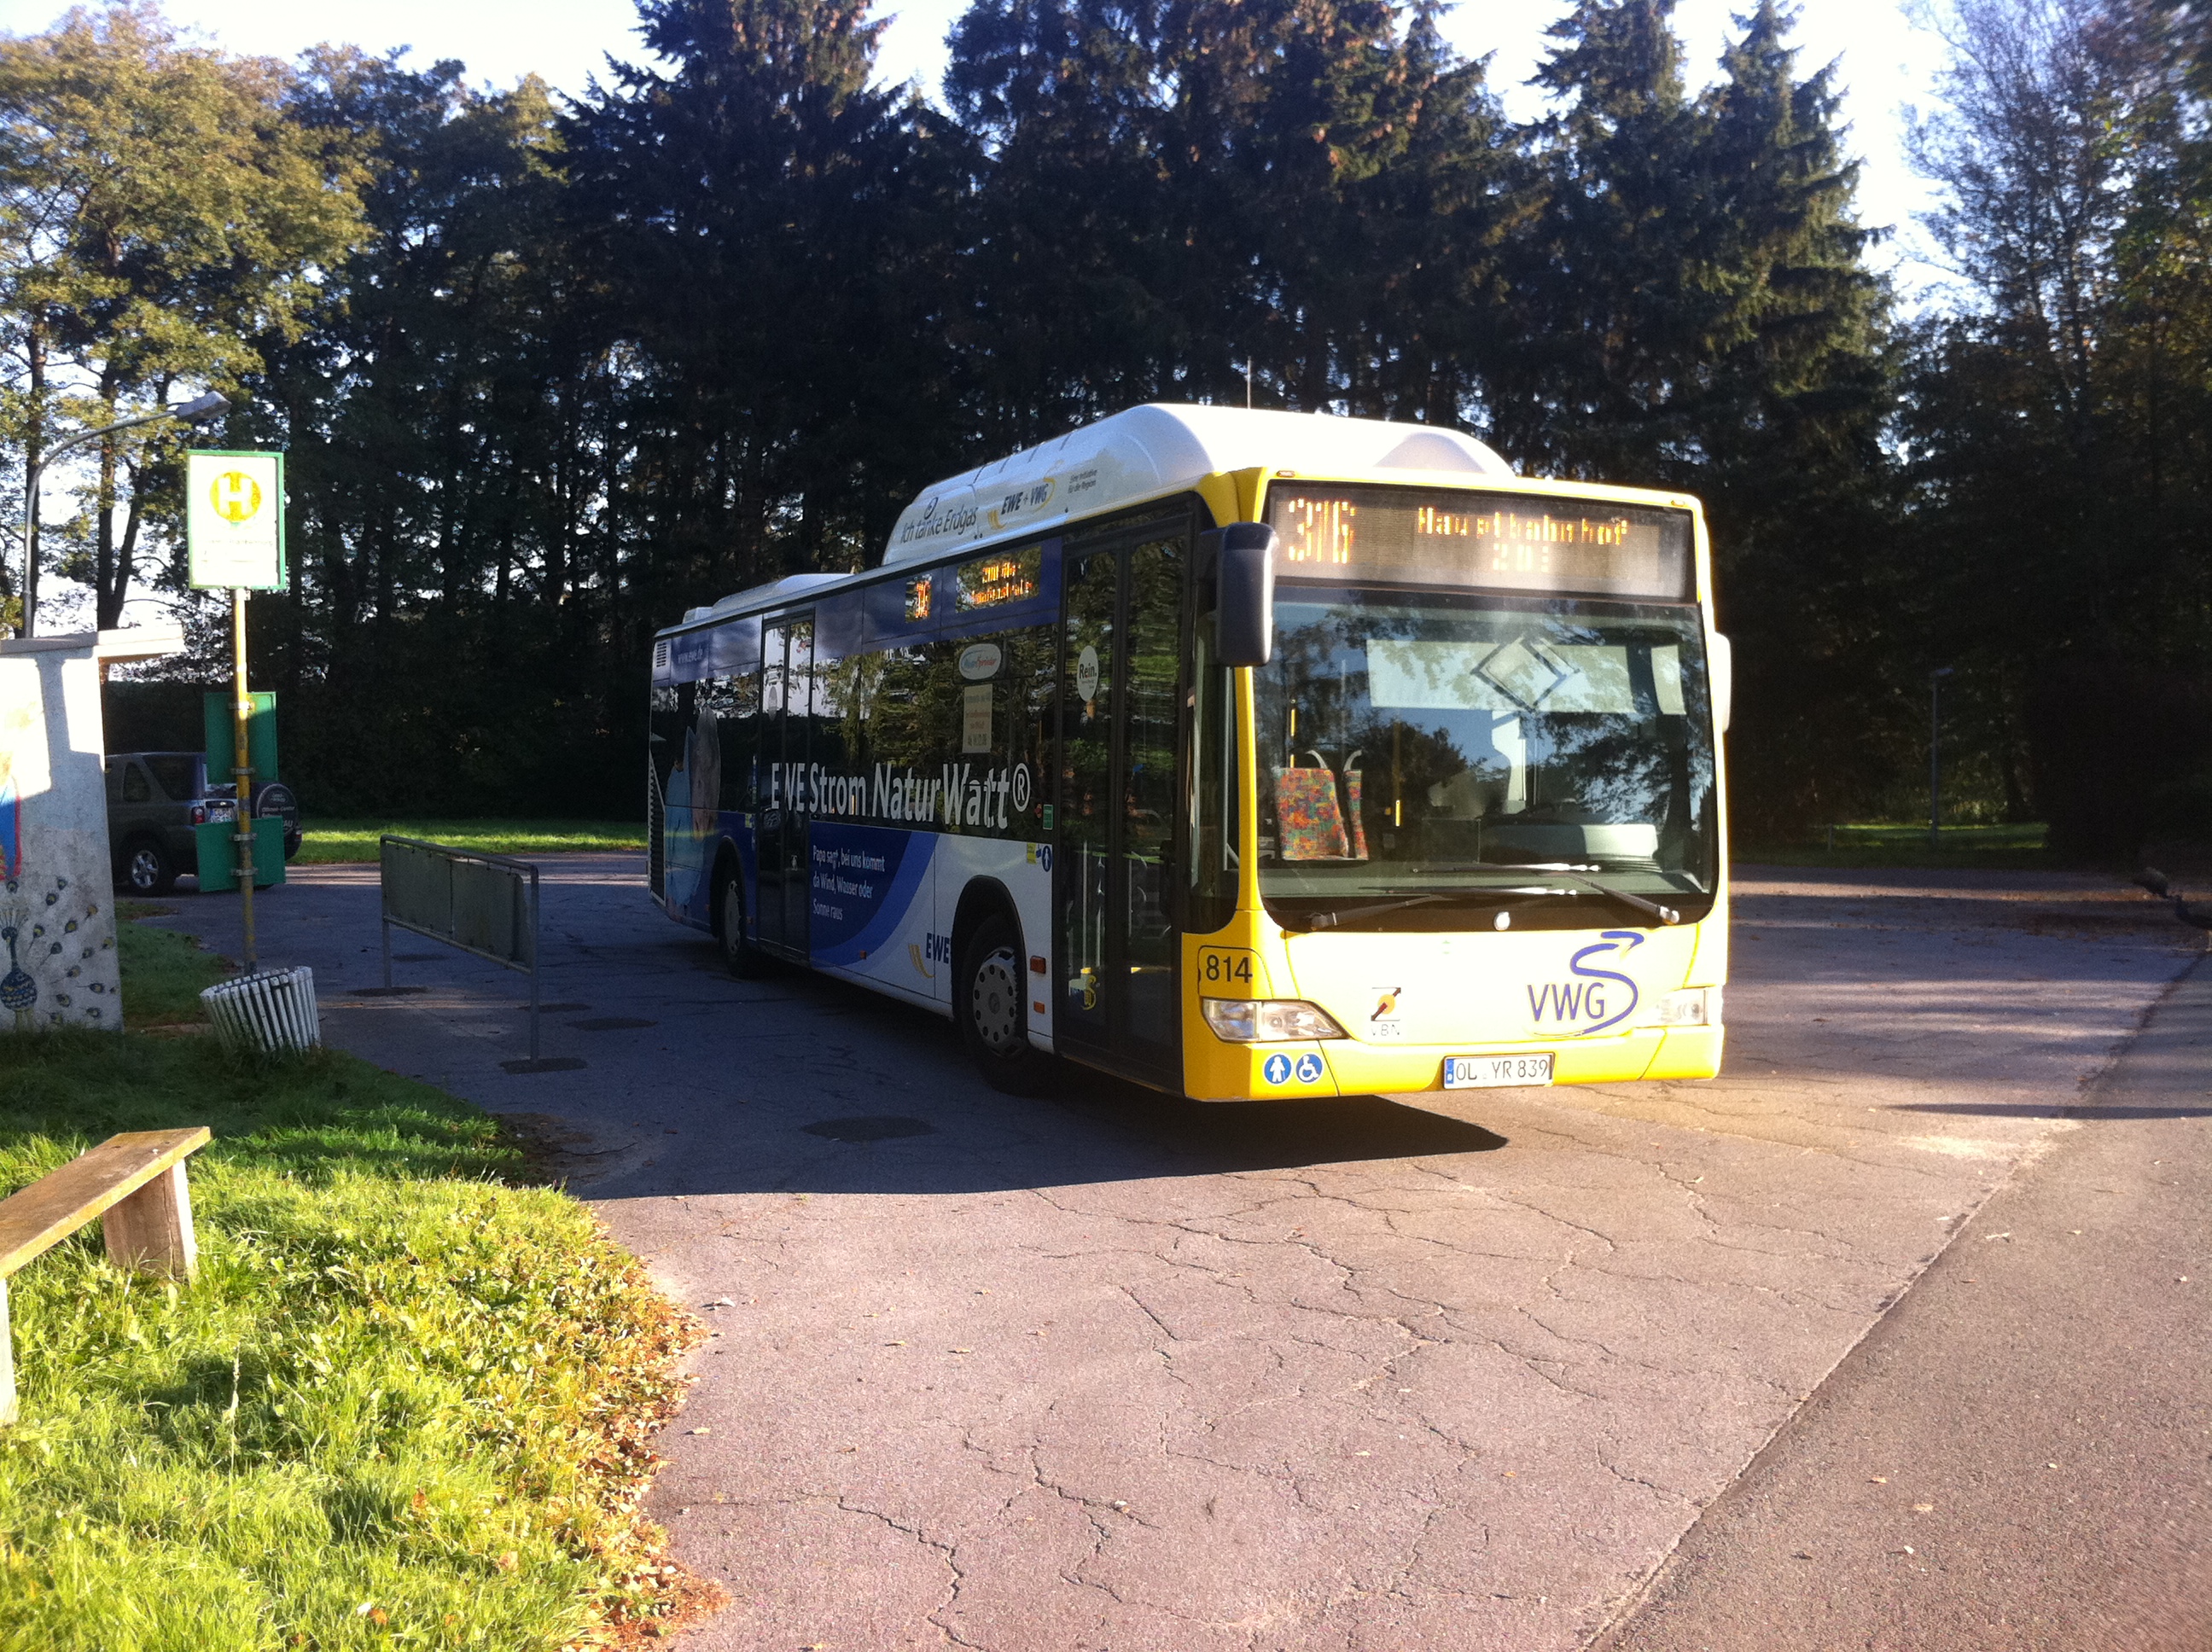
(109, 604)
(35, 443)
(104, 571)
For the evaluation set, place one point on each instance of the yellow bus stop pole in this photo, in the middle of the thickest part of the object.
(242, 710)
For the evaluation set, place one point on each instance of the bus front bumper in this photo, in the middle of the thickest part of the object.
(1348, 1067)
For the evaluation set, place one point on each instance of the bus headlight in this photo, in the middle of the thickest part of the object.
(1697, 1006)
(1267, 1020)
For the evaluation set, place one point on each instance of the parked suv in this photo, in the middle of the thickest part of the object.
(155, 799)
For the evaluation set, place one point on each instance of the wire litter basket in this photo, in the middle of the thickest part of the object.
(270, 1010)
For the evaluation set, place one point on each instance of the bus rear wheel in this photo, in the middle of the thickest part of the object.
(743, 960)
(990, 1004)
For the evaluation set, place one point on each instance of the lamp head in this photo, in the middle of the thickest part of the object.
(201, 408)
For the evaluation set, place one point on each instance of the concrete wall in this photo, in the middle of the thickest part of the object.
(56, 904)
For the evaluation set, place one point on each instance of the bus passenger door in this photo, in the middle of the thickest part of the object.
(787, 702)
(1117, 944)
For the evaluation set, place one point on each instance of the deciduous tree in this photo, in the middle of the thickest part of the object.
(162, 220)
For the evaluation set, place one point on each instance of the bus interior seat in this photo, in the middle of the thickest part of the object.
(1311, 817)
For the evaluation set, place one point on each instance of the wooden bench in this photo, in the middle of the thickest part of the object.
(135, 1184)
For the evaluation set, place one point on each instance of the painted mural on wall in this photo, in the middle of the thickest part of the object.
(57, 914)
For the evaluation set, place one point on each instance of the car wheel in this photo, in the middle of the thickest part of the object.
(745, 960)
(147, 869)
(991, 1005)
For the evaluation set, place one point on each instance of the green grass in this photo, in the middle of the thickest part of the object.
(163, 972)
(402, 1404)
(2009, 849)
(325, 841)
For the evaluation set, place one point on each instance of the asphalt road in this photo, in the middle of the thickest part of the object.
(2020, 1455)
(1111, 1371)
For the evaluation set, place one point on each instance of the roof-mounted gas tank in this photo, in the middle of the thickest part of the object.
(1162, 448)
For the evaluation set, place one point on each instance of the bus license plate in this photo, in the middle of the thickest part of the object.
(1495, 1072)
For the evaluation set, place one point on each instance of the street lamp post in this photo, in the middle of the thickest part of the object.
(1935, 753)
(196, 411)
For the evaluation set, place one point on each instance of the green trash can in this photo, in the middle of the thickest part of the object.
(218, 855)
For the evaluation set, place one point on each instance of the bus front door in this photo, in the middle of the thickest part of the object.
(1116, 939)
(786, 707)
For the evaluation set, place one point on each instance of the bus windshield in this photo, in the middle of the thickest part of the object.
(1447, 760)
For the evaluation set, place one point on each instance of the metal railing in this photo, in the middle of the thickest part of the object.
(482, 904)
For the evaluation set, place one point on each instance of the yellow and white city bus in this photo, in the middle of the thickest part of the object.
(1247, 754)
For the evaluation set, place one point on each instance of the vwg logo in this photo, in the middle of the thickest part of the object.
(1602, 998)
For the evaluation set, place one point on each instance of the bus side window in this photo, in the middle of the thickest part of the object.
(665, 720)
(913, 716)
(1035, 682)
(829, 705)
(853, 685)
(737, 710)
(1018, 693)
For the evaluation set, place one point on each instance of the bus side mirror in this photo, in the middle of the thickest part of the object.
(1723, 670)
(1244, 586)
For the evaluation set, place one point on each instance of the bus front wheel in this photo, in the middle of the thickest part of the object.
(745, 960)
(991, 1006)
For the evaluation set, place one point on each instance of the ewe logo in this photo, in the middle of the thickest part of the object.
(1608, 997)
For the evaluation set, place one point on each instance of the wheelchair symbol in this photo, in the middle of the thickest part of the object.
(1309, 1068)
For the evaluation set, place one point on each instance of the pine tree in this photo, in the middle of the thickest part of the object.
(1786, 414)
(1297, 198)
(443, 423)
(1794, 318)
(1433, 230)
(1074, 230)
(1697, 314)
(1376, 164)
(775, 234)
(1608, 281)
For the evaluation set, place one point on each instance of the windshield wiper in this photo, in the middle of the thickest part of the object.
(1337, 920)
(1665, 914)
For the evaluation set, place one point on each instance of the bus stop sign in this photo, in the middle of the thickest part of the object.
(234, 520)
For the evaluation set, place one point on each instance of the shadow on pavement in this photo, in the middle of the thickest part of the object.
(1101, 1131)
(1214, 1137)
(820, 1086)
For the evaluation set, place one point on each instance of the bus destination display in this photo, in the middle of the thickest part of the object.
(1004, 577)
(1419, 536)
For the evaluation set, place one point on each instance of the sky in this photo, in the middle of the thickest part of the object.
(1885, 62)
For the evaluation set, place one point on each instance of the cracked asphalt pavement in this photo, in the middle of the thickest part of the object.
(1115, 1373)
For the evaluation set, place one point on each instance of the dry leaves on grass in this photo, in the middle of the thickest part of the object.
(646, 1595)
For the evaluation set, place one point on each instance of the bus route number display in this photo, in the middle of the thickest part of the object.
(1512, 542)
